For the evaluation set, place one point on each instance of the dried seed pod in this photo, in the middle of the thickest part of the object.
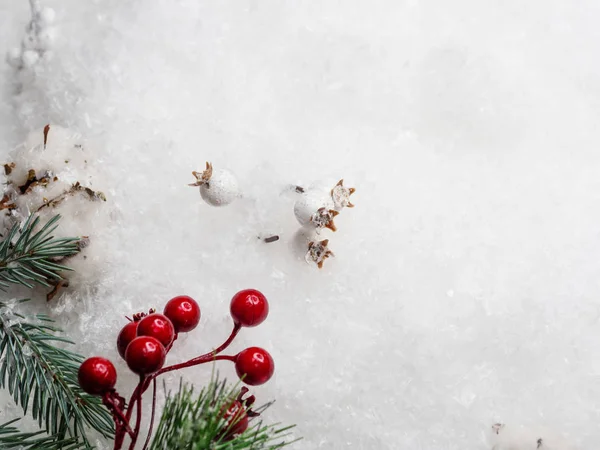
(318, 252)
(340, 195)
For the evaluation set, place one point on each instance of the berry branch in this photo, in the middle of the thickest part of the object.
(144, 343)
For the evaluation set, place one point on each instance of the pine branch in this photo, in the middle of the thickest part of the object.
(12, 438)
(43, 376)
(27, 256)
(196, 423)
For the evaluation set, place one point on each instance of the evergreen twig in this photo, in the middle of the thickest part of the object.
(196, 423)
(12, 438)
(41, 375)
(27, 256)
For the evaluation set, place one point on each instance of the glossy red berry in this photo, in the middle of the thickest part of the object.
(249, 308)
(158, 326)
(236, 419)
(145, 355)
(256, 364)
(184, 313)
(97, 375)
(127, 334)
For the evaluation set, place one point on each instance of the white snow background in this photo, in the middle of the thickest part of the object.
(465, 287)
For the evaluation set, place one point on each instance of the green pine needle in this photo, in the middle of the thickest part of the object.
(192, 422)
(26, 255)
(12, 438)
(42, 378)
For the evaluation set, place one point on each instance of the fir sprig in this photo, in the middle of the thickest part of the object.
(12, 438)
(27, 256)
(191, 422)
(40, 374)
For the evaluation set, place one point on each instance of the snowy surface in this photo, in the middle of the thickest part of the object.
(465, 288)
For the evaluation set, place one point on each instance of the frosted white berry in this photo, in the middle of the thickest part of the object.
(217, 188)
(315, 210)
(14, 57)
(222, 189)
(306, 206)
(47, 16)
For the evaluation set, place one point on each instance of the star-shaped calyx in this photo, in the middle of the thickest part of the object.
(340, 195)
(203, 177)
(323, 218)
(318, 252)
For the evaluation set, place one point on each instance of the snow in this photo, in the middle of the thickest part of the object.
(464, 291)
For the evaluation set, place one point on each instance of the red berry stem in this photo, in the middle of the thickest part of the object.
(138, 419)
(119, 417)
(131, 403)
(207, 357)
(236, 329)
(119, 437)
(151, 415)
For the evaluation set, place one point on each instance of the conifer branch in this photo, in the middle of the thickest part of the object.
(197, 423)
(27, 256)
(42, 378)
(12, 438)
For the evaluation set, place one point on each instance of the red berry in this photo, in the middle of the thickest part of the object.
(145, 355)
(184, 312)
(158, 326)
(236, 419)
(256, 364)
(249, 308)
(127, 334)
(97, 375)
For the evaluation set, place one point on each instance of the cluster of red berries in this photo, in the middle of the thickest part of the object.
(145, 341)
